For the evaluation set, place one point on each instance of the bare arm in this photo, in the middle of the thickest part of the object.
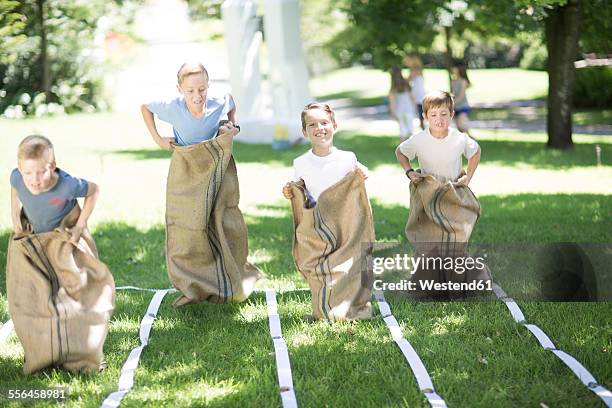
(392, 105)
(16, 211)
(149, 119)
(93, 192)
(228, 126)
(287, 193)
(231, 115)
(405, 163)
(471, 168)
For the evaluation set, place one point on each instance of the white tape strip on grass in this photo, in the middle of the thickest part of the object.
(577, 368)
(126, 380)
(5, 331)
(413, 359)
(142, 289)
(283, 366)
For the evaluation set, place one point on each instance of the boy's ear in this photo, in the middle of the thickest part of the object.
(304, 133)
(178, 86)
(452, 114)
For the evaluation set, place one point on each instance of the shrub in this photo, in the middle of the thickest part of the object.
(593, 88)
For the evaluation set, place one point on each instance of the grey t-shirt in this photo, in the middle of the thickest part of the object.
(46, 210)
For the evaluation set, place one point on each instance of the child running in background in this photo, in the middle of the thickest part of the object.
(417, 82)
(401, 103)
(459, 85)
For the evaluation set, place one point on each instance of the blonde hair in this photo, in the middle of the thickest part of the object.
(436, 99)
(316, 105)
(188, 69)
(413, 61)
(34, 147)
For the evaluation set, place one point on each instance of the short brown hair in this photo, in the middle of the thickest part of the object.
(190, 68)
(34, 147)
(316, 105)
(436, 99)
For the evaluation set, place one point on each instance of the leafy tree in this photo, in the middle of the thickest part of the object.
(48, 61)
(382, 30)
(205, 8)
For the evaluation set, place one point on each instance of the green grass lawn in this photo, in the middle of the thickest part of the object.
(210, 355)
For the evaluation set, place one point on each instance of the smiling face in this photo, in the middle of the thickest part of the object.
(38, 174)
(439, 118)
(194, 88)
(319, 129)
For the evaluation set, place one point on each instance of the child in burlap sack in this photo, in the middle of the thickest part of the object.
(206, 236)
(443, 210)
(60, 295)
(47, 193)
(333, 228)
(196, 115)
(439, 148)
(323, 165)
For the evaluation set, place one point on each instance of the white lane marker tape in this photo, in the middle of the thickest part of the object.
(126, 380)
(5, 331)
(283, 365)
(413, 359)
(577, 368)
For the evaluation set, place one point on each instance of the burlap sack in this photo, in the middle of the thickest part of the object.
(332, 242)
(206, 236)
(442, 218)
(61, 298)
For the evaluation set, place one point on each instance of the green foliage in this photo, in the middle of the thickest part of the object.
(11, 28)
(497, 53)
(320, 20)
(534, 57)
(596, 22)
(69, 78)
(74, 73)
(380, 32)
(204, 8)
(593, 87)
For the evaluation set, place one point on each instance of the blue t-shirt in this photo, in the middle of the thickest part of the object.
(46, 210)
(189, 130)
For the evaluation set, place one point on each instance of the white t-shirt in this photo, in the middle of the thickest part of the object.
(321, 172)
(440, 157)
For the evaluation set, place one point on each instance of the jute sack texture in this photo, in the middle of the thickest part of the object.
(442, 218)
(61, 298)
(206, 236)
(332, 246)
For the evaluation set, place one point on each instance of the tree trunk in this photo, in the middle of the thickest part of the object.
(562, 35)
(44, 62)
(448, 56)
